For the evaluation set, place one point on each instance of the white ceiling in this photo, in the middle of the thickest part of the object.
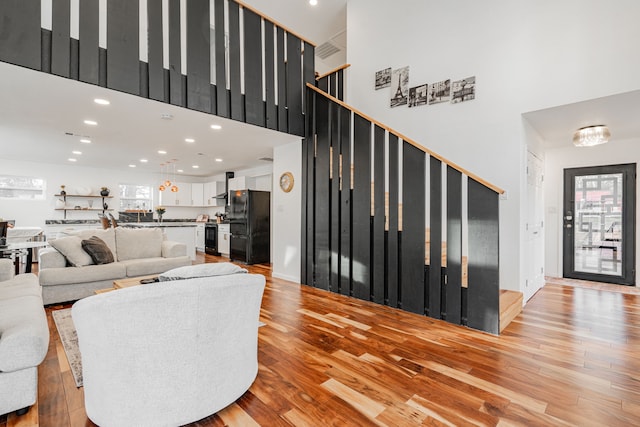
(620, 113)
(38, 109)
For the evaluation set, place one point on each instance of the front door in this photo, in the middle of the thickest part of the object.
(599, 223)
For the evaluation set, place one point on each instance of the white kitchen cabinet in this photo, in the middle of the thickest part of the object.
(182, 197)
(224, 239)
(197, 194)
(241, 183)
(200, 237)
(211, 190)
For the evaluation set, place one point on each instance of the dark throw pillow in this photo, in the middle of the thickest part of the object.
(97, 250)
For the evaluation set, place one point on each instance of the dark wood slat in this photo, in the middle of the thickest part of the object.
(322, 191)
(378, 235)
(335, 197)
(310, 191)
(254, 103)
(175, 54)
(283, 119)
(391, 271)
(237, 106)
(308, 69)
(306, 196)
(144, 79)
(123, 34)
(435, 246)
(332, 85)
(88, 54)
(20, 37)
(198, 56)
(484, 278)
(155, 50)
(323, 84)
(271, 110)
(413, 226)
(453, 287)
(294, 85)
(361, 224)
(340, 84)
(345, 203)
(222, 96)
(45, 52)
(74, 60)
(102, 67)
(60, 38)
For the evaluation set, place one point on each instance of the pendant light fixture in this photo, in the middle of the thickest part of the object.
(591, 135)
(174, 187)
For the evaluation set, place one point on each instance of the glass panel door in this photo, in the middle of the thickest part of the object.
(599, 224)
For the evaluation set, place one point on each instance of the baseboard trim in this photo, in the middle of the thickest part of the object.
(287, 277)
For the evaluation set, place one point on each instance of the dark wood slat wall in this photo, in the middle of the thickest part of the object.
(175, 54)
(198, 56)
(155, 50)
(483, 291)
(308, 69)
(294, 85)
(322, 193)
(253, 68)
(89, 55)
(281, 64)
(334, 126)
(340, 86)
(123, 60)
(378, 233)
(392, 247)
(235, 85)
(453, 286)
(323, 84)
(222, 93)
(271, 109)
(362, 241)
(435, 239)
(60, 38)
(413, 229)
(346, 218)
(20, 33)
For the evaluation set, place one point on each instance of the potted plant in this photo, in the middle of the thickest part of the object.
(160, 210)
(104, 191)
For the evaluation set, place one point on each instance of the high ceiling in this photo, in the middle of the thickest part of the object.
(38, 112)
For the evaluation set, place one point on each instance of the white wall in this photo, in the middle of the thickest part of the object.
(526, 55)
(615, 152)
(287, 209)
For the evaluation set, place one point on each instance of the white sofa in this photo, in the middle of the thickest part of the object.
(137, 252)
(168, 353)
(24, 338)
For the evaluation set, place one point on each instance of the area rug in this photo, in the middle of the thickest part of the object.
(69, 338)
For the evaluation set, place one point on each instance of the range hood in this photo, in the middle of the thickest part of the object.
(224, 195)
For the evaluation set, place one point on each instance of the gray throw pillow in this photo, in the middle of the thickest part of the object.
(98, 250)
(71, 248)
(201, 270)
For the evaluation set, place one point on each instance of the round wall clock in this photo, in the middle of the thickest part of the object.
(286, 182)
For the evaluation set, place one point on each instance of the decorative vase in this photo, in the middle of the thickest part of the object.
(62, 192)
(104, 193)
(159, 217)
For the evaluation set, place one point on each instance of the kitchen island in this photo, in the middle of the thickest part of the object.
(183, 232)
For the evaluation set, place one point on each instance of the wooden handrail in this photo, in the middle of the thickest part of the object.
(335, 70)
(273, 21)
(409, 140)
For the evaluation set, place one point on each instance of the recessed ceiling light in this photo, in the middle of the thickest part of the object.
(216, 127)
(180, 170)
(85, 141)
(143, 160)
(195, 166)
(313, 2)
(132, 165)
(189, 140)
(162, 152)
(218, 160)
(71, 159)
(77, 152)
(90, 122)
(101, 101)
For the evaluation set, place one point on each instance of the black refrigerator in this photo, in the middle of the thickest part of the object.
(250, 226)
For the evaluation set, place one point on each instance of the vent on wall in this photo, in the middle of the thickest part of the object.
(326, 49)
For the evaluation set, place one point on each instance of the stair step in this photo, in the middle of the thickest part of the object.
(510, 306)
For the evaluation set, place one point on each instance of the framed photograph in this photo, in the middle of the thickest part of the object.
(463, 90)
(418, 95)
(440, 92)
(383, 78)
(399, 87)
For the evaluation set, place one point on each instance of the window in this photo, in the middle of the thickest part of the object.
(136, 197)
(22, 187)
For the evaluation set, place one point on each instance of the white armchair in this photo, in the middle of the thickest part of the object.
(169, 353)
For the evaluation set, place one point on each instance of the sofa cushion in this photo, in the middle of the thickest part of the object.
(147, 266)
(107, 236)
(20, 285)
(98, 250)
(71, 248)
(90, 273)
(201, 270)
(137, 243)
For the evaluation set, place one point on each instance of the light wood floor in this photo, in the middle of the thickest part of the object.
(572, 357)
